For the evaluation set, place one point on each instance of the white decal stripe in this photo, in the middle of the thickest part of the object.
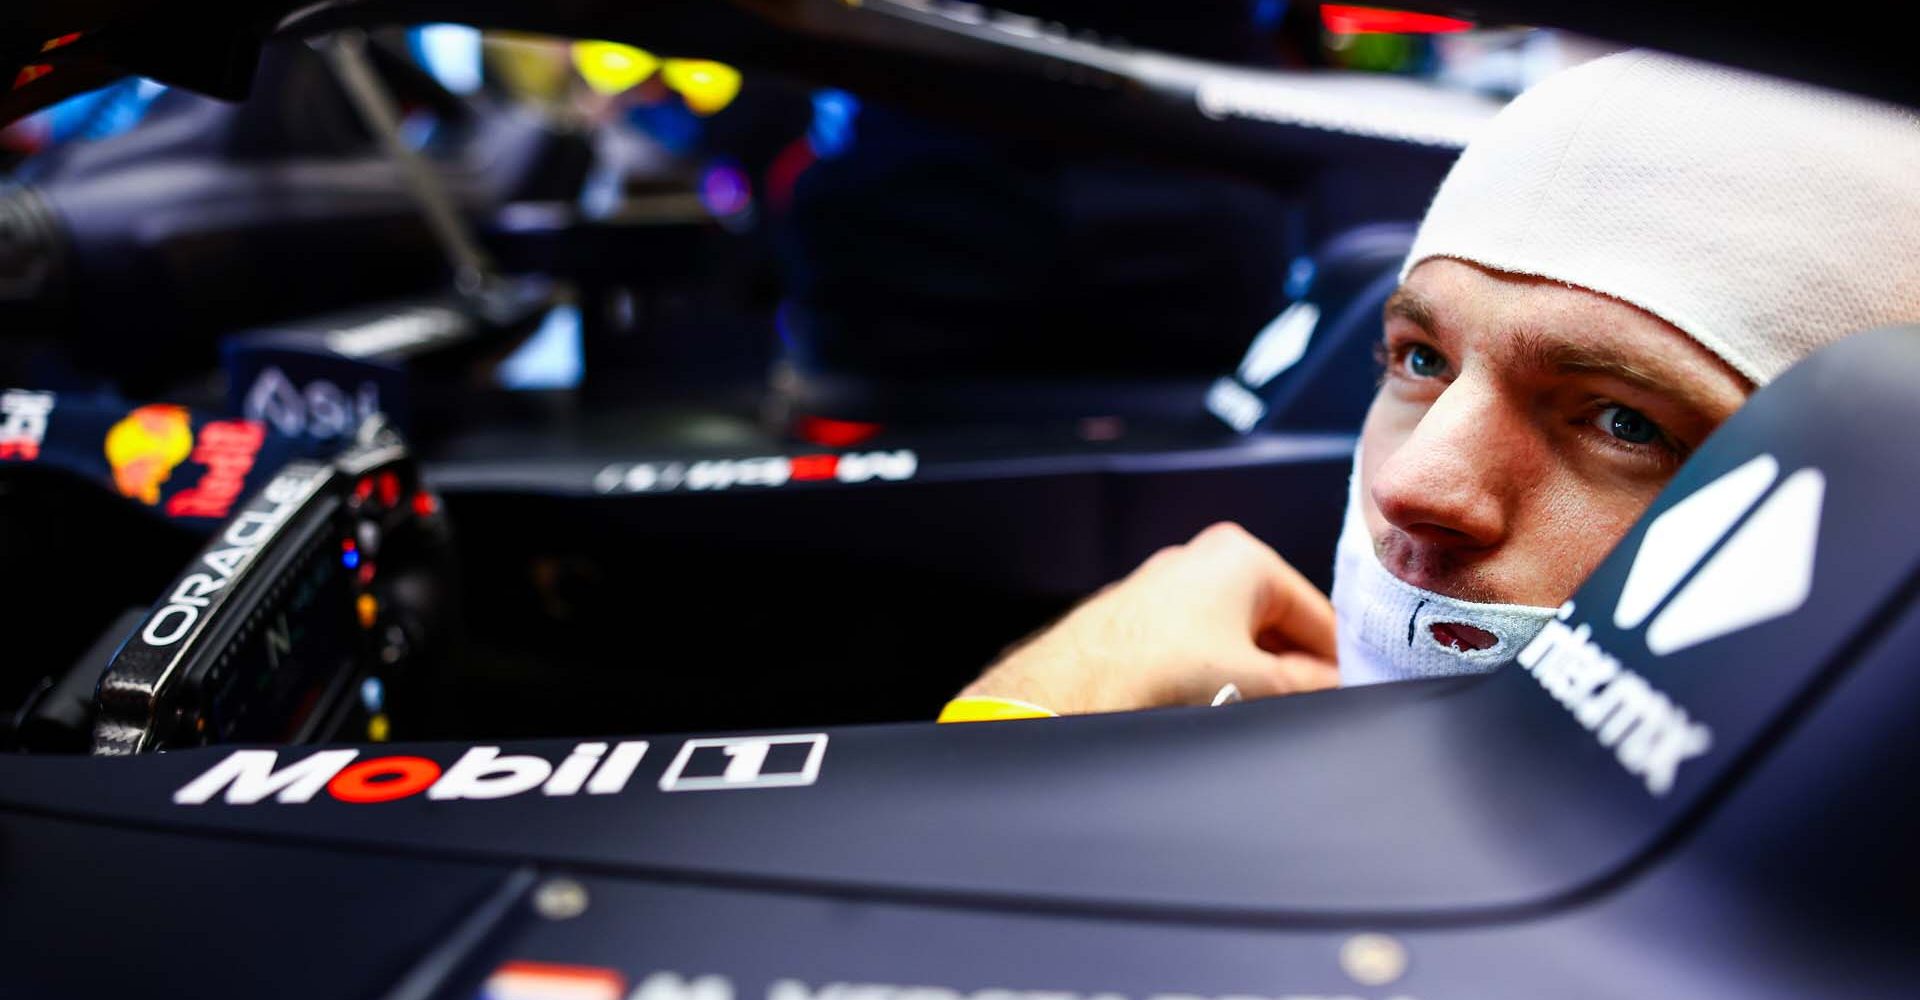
(1279, 346)
(1763, 572)
(1678, 538)
(1232, 403)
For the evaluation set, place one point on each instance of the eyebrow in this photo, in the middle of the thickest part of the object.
(1412, 308)
(1578, 359)
(1562, 357)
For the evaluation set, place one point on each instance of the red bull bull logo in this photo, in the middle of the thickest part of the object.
(145, 447)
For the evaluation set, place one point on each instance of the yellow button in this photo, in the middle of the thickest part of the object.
(992, 710)
(377, 728)
(369, 610)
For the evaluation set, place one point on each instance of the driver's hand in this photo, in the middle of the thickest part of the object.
(1223, 608)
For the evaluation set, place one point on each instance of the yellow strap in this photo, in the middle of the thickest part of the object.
(992, 710)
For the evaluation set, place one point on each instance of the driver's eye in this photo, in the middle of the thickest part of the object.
(1424, 362)
(1628, 425)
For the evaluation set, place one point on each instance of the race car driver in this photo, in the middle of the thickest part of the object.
(1608, 271)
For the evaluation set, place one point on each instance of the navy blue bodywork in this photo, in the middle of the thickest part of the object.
(1202, 852)
(1232, 852)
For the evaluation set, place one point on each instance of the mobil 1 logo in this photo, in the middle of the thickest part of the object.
(745, 762)
(246, 777)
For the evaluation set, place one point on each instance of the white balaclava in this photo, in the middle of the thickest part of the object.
(1764, 219)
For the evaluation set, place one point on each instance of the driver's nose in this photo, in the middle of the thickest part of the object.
(1451, 481)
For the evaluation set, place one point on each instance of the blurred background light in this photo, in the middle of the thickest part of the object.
(551, 358)
(707, 86)
(612, 68)
(834, 113)
(668, 123)
(451, 53)
(533, 67)
(1347, 20)
(725, 190)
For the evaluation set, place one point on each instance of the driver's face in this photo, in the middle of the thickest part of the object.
(1522, 426)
